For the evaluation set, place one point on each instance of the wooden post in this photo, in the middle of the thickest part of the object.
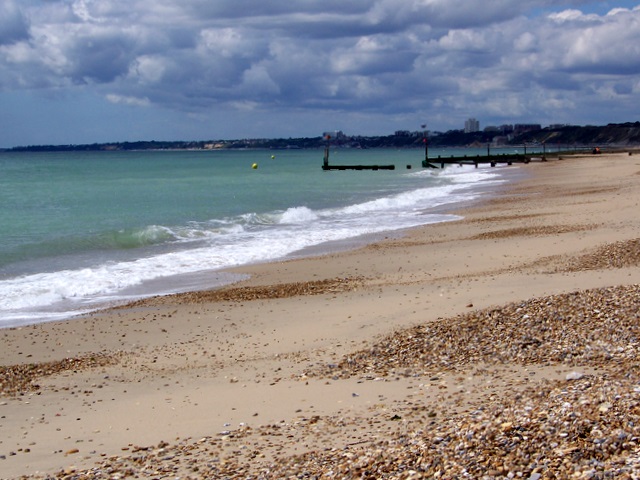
(325, 164)
(426, 148)
(425, 139)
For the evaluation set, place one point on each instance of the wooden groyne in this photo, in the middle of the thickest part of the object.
(494, 159)
(358, 167)
(476, 160)
(490, 158)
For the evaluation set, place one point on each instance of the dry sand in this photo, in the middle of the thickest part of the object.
(502, 345)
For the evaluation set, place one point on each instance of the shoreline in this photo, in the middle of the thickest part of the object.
(243, 273)
(314, 356)
(219, 277)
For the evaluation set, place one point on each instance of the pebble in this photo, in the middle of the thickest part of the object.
(584, 425)
(22, 378)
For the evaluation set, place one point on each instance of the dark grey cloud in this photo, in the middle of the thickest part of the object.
(100, 57)
(14, 26)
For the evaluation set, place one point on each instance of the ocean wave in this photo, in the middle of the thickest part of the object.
(407, 201)
(298, 215)
(135, 238)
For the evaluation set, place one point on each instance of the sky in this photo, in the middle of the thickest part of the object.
(99, 71)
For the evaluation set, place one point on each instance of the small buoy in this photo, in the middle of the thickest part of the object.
(272, 157)
(254, 166)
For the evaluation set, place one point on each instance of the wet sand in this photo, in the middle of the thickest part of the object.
(502, 345)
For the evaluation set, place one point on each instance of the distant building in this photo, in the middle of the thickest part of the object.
(471, 125)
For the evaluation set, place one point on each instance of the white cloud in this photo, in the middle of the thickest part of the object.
(527, 42)
(230, 43)
(81, 9)
(469, 40)
(256, 81)
(567, 16)
(148, 69)
(132, 101)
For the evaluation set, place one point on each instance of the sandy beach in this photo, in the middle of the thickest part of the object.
(500, 345)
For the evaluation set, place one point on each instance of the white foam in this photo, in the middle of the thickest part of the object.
(298, 215)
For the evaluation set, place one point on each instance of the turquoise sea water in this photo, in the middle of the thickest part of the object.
(78, 230)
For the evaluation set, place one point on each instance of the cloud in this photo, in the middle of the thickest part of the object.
(132, 101)
(446, 59)
(610, 46)
(14, 26)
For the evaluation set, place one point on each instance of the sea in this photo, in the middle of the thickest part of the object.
(80, 231)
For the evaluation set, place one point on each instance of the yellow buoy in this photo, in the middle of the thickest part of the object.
(254, 166)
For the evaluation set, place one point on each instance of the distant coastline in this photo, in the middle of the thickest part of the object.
(613, 134)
